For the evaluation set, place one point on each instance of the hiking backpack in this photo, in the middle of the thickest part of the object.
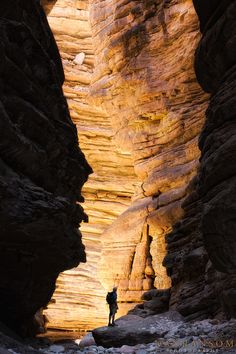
(110, 298)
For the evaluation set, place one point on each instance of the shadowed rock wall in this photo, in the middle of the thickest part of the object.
(133, 95)
(215, 68)
(201, 252)
(42, 169)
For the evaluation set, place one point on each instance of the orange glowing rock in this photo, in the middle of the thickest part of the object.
(139, 111)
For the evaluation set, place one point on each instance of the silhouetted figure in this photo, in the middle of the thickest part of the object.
(113, 307)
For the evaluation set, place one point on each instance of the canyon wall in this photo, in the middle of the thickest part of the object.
(42, 168)
(215, 69)
(79, 301)
(201, 250)
(134, 98)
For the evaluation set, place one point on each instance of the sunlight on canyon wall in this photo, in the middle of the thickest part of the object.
(133, 96)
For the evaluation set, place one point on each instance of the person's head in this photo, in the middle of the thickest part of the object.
(115, 288)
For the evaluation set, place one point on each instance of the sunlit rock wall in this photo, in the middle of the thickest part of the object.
(133, 95)
(155, 105)
(79, 299)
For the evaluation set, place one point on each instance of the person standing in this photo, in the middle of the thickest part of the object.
(111, 299)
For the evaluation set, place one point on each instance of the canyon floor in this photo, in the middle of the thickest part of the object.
(172, 333)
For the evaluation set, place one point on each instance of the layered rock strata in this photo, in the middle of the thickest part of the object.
(215, 68)
(42, 168)
(201, 251)
(79, 298)
(133, 95)
(150, 94)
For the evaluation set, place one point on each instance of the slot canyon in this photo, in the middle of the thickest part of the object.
(146, 200)
(138, 110)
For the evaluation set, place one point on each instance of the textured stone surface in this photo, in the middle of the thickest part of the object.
(80, 296)
(155, 302)
(133, 95)
(149, 94)
(216, 73)
(201, 336)
(42, 170)
(201, 250)
(131, 330)
(176, 335)
(217, 143)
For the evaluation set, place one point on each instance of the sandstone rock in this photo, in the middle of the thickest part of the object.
(139, 111)
(200, 287)
(42, 169)
(48, 5)
(9, 345)
(217, 172)
(157, 301)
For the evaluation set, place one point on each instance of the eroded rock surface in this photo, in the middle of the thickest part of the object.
(216, 72)
(201, 250)
(217, 143)
(133, 95)
(167, 332)
(42, 169)
(108, 191)
(150, 94)
(132, 330)
(203, 336)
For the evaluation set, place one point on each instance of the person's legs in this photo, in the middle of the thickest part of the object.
(110, 315)
(114, 310)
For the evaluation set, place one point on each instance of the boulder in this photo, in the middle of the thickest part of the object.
(157, 301)
(132, 330)
(87, 341)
